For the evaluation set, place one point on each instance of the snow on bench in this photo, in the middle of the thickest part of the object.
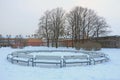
(87, 57)
(10, 56)
(73, 59)
(47, 60)
(22, 58)
(14, 54)
(98, 57)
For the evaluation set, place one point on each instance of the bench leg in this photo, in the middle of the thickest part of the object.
(33, 64)
(12, 61)
(94, 62)
(17, 61)
(87, 63)
(28, 63)
(60, 64)
(64, 64)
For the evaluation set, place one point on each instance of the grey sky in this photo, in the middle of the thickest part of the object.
(22, 16)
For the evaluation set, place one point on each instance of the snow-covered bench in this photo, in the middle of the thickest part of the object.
(76, 59)
(98, 57)
(47, 60)
(22, 58)
(10, 56)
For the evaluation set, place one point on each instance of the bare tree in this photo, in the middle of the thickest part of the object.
(70, 26)
(85, 23)
(58, 20)
(101, 28)
(81, 23)
(76, 20)
(44, 27)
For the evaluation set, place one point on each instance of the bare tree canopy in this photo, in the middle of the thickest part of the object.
(85, 23)
(79, 23)
(51, 25)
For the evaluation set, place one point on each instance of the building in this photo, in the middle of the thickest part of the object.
(109, 41)
(106, 42)
(20, 42)
(34, 42)
(3, 42)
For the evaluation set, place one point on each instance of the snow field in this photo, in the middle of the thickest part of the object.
(104, 71)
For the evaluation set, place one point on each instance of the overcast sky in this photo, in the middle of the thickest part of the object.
(22, 16)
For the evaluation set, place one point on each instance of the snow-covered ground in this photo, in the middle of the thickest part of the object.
(105, 71)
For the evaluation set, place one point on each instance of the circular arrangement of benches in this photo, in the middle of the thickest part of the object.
(87, 57)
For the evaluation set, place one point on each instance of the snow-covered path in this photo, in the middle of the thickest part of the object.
(105, 71)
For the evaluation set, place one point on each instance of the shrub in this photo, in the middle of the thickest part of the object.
(88, 45)
(77, 46)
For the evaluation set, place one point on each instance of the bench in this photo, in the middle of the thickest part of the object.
(22, 58)
(15, 54)
(10, 56)
(73, 59)
(47, 60)
(98, 57)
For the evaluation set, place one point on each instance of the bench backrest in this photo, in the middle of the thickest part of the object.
(75, 57)
(97, 55)
(25, 56)
(14, 54)
(18, 52)
(42, 57)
